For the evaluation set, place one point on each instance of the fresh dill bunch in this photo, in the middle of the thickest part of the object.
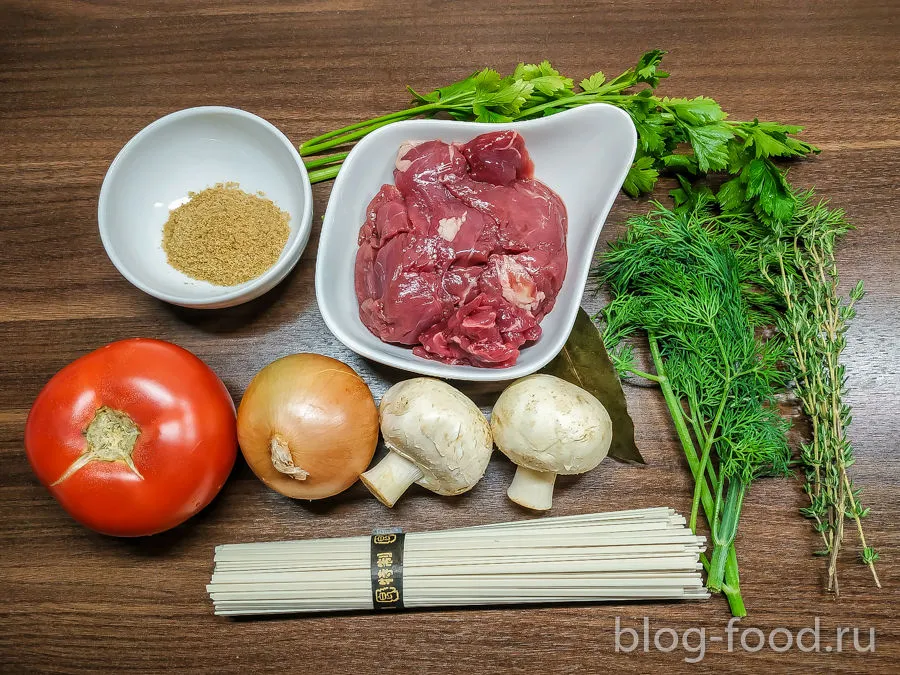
(679, 283)
(673, 279)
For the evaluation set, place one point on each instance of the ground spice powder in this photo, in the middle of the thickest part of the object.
(224, 235)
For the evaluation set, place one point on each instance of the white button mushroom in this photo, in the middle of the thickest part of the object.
(437, 438)
(548, 426)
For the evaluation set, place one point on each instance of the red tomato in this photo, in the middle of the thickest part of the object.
(134, 438)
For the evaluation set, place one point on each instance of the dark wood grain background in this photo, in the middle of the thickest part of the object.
(78, 79)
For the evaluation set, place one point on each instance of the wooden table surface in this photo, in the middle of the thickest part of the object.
(78, 79)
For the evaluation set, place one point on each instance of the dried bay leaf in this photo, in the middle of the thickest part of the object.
(584, 362)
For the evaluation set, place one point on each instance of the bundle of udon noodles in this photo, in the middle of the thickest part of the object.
(626, 555)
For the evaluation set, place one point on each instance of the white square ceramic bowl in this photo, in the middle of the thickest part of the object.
(188, 151)
(583, 154)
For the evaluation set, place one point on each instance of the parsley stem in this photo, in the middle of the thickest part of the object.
(571, 101)
(320, 175)
(316, 162)
(310, 147)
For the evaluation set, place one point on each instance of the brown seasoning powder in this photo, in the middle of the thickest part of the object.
(224, 235)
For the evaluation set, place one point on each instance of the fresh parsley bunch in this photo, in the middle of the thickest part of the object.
(682, 136)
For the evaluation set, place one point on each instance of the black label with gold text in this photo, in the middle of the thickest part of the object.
(387, 569)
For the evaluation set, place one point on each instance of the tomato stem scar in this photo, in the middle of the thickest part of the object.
(110, 436)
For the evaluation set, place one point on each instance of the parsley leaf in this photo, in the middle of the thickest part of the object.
(687, 196)
(687, 163)
(695, 111)
(487, 80)
(457, 89)
(651, 132)
(731, 195)
(506, 99)
(647, 68)
(641, 177)
(485, 114)
(738, 157)
(765, 182)
(544, 78)
(710, 145)
(770, 139)
(592, 84)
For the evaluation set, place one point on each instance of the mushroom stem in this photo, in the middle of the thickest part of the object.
(532, 489)
(391, 477)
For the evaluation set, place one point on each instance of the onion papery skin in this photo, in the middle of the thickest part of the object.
(322, 411)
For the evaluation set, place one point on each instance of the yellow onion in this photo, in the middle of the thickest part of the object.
(308, 426)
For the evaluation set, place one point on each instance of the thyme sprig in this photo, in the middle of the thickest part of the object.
(790, 265)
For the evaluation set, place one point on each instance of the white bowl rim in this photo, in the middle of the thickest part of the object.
(284, 264)
(436, 368)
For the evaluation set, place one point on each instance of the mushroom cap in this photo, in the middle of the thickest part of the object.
(440, 430)
(546, 424)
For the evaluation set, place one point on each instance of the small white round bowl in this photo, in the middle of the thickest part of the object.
(185, 152)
